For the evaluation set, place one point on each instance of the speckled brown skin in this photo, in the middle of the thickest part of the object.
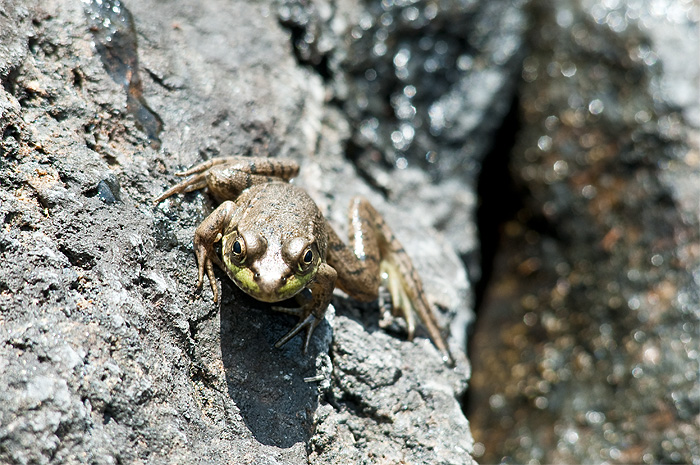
(268, 228)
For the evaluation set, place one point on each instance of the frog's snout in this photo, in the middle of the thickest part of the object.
(270, 286)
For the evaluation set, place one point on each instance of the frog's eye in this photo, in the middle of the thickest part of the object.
(301, 254)
(237, 248)
(306, 260)
(308, 257)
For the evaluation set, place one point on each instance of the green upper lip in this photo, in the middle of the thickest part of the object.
(244, 279)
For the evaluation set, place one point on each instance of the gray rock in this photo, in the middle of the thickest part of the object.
(424, 86)
(386, 402)
(107, 354)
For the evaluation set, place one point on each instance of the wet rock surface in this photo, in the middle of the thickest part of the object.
(586, 348)
(424, 85)
(107, 354)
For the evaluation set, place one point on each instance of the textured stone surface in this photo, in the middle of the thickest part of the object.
(107, 355)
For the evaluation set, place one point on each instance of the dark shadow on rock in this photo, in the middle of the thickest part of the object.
(267, 384)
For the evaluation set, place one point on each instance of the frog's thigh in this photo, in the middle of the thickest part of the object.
(281, 168)
(366, 233)
(278, 167)
(360, 279)
(226, 183)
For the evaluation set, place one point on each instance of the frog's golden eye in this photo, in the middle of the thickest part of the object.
(301, 254)
(306, 260)
(308, 257)
(237, 248)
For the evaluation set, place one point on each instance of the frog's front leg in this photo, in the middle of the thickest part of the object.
(311, 312)
(205, 236)
(375, 250)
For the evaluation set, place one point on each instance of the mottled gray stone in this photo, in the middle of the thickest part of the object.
(107, 354)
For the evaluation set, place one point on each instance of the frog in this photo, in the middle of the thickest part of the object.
(275, 244)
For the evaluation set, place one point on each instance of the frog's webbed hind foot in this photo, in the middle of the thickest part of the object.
(408, 301)
(400, 300)
(188, 185)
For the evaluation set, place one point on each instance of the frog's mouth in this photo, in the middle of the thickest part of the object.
(266, 290)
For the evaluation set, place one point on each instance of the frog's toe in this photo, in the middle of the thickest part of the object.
(199, 168)
(409, 305)
(206, 265)
(310, 323)
(212, 281)
(188, 185)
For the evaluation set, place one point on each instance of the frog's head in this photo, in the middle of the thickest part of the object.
(270, 270)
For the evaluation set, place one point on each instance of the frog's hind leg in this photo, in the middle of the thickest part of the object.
(401, 304)
(227, 177)
(379, 252)
(281, 168)
(226, 182)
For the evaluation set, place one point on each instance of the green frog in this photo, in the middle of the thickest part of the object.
(275, 243)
